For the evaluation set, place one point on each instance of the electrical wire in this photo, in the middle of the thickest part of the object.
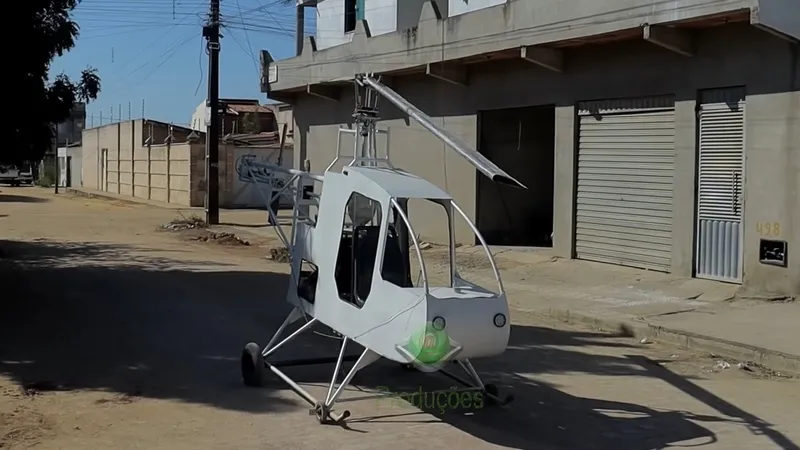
(167, 56)
(200, 64)
(249, 49)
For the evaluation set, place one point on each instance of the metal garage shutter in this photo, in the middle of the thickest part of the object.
(626, 159)
(719, 205)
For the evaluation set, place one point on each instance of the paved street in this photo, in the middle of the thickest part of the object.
(114, 334)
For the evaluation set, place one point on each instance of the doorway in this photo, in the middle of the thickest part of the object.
(520, 141)
(103, 169)
(720, 184)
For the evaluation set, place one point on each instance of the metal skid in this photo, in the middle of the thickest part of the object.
(254, 361)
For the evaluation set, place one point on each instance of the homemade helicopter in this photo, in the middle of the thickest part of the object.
(359, 250)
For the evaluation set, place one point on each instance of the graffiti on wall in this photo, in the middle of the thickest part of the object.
(257, 173)
(255, 179)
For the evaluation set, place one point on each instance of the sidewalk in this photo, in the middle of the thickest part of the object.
(699, 314)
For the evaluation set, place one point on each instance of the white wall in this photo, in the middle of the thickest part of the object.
(381, 15)
(199, 117)
(457, 7)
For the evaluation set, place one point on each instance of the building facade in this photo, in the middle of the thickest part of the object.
(652, 134)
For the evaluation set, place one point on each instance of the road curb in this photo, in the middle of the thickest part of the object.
(86, 194)
(771, 359)
(128, 200)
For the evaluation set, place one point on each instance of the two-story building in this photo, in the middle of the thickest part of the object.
(660, 134)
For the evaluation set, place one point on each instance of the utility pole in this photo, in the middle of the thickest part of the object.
(212, 35)
(56, 167)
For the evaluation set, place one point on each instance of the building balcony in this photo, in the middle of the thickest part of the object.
(540, 32)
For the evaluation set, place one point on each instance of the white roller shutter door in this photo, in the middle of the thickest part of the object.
(626, 163)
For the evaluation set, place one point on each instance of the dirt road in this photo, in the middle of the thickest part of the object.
(114, 335)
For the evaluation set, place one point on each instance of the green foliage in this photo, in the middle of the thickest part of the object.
(250, 124)
(43, 30)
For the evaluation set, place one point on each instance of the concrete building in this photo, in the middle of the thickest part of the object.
(655, 134)
(136, 158)
(283, 116)
(69, 131)
(241, 116)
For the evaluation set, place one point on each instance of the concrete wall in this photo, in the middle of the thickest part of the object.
(154, 172)
(458, 7)
(284, 116)
(732, 55)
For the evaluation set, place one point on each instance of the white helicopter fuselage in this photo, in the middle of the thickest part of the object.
(379, 313)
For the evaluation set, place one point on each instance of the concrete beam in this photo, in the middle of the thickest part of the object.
(451, 73)
(769, 26)
(549, 58)
(283, 97)
(673, 39)
(332, 93)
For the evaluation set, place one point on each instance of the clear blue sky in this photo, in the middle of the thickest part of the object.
(153, 50)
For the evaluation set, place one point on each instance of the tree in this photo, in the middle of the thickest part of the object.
(250, 124)
(42, 30)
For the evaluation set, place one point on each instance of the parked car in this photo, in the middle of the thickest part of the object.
(11, 174)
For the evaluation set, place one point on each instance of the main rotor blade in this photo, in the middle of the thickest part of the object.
(480, 162)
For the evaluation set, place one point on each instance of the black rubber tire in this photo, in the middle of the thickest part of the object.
(252, 364)
(492, 390)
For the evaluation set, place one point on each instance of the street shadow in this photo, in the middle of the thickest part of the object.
(755, 424)
(88, 316)
(12, 198)
(541, 415)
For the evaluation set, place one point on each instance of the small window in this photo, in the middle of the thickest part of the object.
(396, 267)
(358, 246)
(353, 12)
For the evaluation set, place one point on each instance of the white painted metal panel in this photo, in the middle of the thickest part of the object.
(626, 162)
(720, 182)
(381, 16)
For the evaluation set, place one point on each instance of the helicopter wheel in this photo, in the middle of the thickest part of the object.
(494, 395)
(253, 365)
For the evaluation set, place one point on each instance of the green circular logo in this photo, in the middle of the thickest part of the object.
(429, 345)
